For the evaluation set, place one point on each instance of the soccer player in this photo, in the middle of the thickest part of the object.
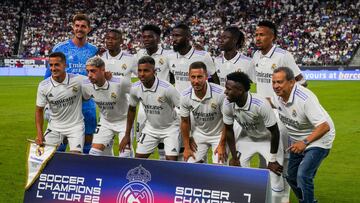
(62, 91)
(118, 62)
(77, 51)
(111, 98)
(150, 35)
(159, 99)
(186, 55)
(310, 128)
(258, 122)
(204, 100)
(268, 57)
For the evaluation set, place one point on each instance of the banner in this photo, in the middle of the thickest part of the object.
(38, 156)
(85, 178)
(331, 75)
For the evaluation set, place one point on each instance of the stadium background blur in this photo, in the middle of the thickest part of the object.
(320, 34)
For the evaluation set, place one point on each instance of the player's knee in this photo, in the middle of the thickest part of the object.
(95, 152)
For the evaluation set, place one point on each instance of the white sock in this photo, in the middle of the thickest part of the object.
(95, 152)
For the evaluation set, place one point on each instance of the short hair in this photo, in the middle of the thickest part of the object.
(198, 65)
(153, 28)
(240, 77)
(116, 31)
(146, 60)
(58, 54)
(81, 16)
(183, 27)
(95, 61)
(235, 31)
(289, 74)
(269, 25)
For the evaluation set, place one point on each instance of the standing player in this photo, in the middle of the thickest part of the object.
(77, 50)
(111, 98)
(116, 61)
(258, 123)
(186, 55)
(159, 99)
(150, 35)
(310, 128)
(204, 100)
(266, 59)
(62, 91)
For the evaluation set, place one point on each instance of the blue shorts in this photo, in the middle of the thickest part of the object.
(89, 112)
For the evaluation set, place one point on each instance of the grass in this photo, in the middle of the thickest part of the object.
(336, 180)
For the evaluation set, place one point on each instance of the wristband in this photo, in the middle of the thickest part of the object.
(272, 158)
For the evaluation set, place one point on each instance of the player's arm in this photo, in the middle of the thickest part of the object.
(39, 122)
(230, 139)
(273, 164)
(129, 123)
(185, 132)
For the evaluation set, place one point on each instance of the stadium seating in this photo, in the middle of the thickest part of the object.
(317, 32)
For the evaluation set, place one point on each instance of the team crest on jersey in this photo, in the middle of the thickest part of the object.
(294, 114)
(124, 66)
(113, 95)
(273, 66)
(39, 151)
(213, 105)
(161, 99)
(161, 61)
(137, 190)
(75, 89)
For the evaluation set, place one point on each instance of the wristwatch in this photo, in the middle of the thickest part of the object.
(306, 142)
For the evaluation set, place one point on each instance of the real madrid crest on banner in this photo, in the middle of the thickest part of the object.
(113, 95)
(136, 190)
(124, 66)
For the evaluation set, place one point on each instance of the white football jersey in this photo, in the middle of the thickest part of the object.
(254, 117)
(161, 62)
(111, 98)
(302, 113)
(207, 111)
(124, 64)
(265, 65)
(179, 65)
(240, 63)
(159, 103)
(64, 101)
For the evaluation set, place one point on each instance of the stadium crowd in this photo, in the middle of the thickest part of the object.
(316, 32)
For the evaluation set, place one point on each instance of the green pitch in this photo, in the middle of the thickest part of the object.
(336, 180)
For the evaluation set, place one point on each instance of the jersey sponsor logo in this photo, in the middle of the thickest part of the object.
(289, 122)
(137, 190)
(51, 95)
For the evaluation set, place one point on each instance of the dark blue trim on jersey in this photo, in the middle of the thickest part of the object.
(237, 59)
(118, 58)
(272, 52)
(149, 90)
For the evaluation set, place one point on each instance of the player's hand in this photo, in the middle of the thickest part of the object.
(193, 145)
(124, 143)
(221, 152)
(298, 147)
(234, 162)
(39, 140)
(188, 152)
(275, 167)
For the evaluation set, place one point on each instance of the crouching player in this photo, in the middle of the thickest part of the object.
(258, 122)
(159, 99)
(111, 98)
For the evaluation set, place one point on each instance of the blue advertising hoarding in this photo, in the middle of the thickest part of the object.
(84, 178)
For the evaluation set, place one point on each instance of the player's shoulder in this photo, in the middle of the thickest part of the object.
(201, 52)
(186, 92)
(279, 50)
(61, 45)
(303, 93)
(245, 58)
(215, 88)
(257, 100)
(91, 46)
(227, 103)
(164, 84)
(136, 84)
(86, 81)
(167, 52)
(45, 82)
(127, 55)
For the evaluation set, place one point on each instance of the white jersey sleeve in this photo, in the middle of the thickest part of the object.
(134, 99)
(313, 111)
(228, 113)
(185, 106)
(41, 93)
(210, 65)
(289, 61)
(268, 115)
(173, 95)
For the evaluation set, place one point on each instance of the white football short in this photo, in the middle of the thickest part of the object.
(74, 135)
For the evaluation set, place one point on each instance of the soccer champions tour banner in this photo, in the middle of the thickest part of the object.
(84, 178)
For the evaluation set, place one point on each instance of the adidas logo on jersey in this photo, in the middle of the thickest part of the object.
(50, 95)
(174, 150)
(78, 146)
